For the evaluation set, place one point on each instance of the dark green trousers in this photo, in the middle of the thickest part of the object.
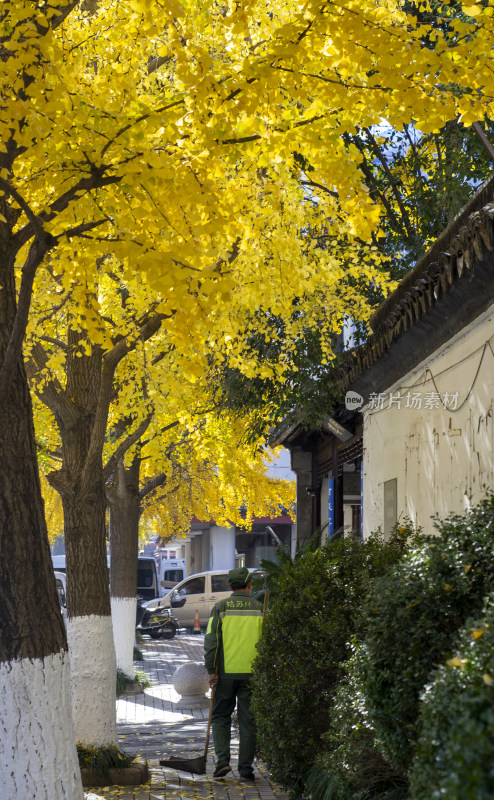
(228, 692)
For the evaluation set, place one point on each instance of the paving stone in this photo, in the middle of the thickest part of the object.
(149, 724)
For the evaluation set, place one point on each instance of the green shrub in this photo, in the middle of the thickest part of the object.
(456, 745)
(350, 765)
(306, 638)
(101, 759)
(412, 621)
(125, 681)
(137, 655)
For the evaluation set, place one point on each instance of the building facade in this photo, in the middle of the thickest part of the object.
(414, 429)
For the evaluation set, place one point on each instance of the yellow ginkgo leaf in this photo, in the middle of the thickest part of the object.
(457, 662)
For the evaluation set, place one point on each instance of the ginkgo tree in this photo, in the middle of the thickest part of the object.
(132, 386)
(219, 476)
(173, 137)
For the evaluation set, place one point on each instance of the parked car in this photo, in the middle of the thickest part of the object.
(147, 578)
(196, 593)
(61, 583)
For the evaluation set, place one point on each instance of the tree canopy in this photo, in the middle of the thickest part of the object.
(216, 168)
(203, 146)
(199, 152)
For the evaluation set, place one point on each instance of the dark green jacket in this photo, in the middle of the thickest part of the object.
(233, 631)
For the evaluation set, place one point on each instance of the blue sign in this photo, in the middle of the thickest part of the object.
(330, 507)
(362, 499)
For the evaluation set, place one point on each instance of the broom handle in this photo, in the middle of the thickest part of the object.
(206, 746)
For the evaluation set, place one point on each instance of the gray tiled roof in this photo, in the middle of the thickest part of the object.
(462, 254)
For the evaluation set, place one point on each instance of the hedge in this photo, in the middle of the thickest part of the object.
(456, 744)
(412, 621)
(350, 765)
(306, 639)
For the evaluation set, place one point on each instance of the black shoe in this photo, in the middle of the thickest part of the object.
(221, 771)
(249, 777)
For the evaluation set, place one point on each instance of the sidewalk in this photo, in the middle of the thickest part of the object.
(150, 725)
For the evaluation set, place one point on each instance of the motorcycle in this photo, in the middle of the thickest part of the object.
(159, 623)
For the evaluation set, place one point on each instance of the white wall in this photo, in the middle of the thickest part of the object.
(222, 548)
(440, 456)
(280, 468)
(205, 564)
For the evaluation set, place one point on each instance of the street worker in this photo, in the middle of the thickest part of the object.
(232, 633)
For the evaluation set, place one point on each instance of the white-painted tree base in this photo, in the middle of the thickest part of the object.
(123, 612)
(93, 679)
(38, 758)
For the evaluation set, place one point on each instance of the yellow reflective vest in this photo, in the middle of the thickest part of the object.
(233, 631)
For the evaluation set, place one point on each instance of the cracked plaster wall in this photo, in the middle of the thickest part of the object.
(442, 457)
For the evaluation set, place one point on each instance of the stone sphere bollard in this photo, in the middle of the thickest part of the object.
(190, 680)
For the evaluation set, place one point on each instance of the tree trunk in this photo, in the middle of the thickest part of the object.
(124, 503)
(37, 747)
(89, 627)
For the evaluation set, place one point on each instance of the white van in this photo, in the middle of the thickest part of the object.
(60, 563)
(147, 578)
(147, 575)
(196, 593)
(171, 571)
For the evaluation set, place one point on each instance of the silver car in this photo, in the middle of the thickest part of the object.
(61, 583)
(197, 593)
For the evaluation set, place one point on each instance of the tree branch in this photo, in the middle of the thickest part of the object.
(84, 185)
(80, 229)
(52, 394)
(163, 430)
(162, 496)
(60, 18)
(160, 356)
(373, 184)
(319, 186)
(256, 136)
(33, 219)
(483, 138)
(392, 184)
(138, 120)
(155, 63)
(55, 309)
(56, 455)
(151, 485)
(124, 346)
(111, 359)
(13, 354)
(57, 342)
(122, 448)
